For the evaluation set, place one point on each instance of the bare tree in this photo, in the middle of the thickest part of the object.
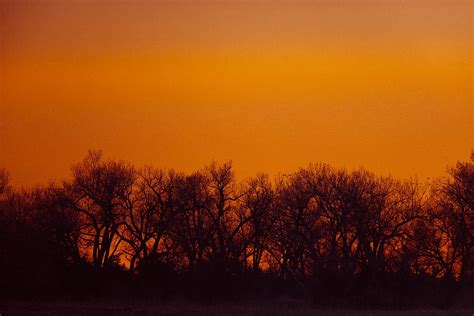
(101, 189)
(258, 201)
(210, 225)
(150, 211)
(382, 210)
(452, 217)
(296, 236)
(191, 229)
(224, 224)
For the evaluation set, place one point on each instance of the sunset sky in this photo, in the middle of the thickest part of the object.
(271, 85)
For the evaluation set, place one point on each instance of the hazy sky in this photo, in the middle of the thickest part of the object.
(272, 85)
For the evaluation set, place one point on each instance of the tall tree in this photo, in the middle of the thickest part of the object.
(150, 212)
(454, 214)
(258, 201)
(100, 190)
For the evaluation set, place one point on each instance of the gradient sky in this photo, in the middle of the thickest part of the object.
(272, 85)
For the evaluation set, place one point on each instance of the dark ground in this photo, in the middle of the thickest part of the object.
(283, 306)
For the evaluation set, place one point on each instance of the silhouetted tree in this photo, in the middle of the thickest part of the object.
(150, 212)
(451, 222)
(191, 232)
(100, 191)
(257, 203)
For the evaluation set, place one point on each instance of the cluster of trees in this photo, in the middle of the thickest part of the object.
(316, 228)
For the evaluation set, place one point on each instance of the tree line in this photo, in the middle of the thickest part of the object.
(322, 231)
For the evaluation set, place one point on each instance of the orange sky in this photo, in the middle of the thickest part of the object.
(272, 85)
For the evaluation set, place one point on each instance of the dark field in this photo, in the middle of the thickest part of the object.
(277, 307)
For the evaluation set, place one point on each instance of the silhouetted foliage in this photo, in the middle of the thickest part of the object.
(330, 235)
